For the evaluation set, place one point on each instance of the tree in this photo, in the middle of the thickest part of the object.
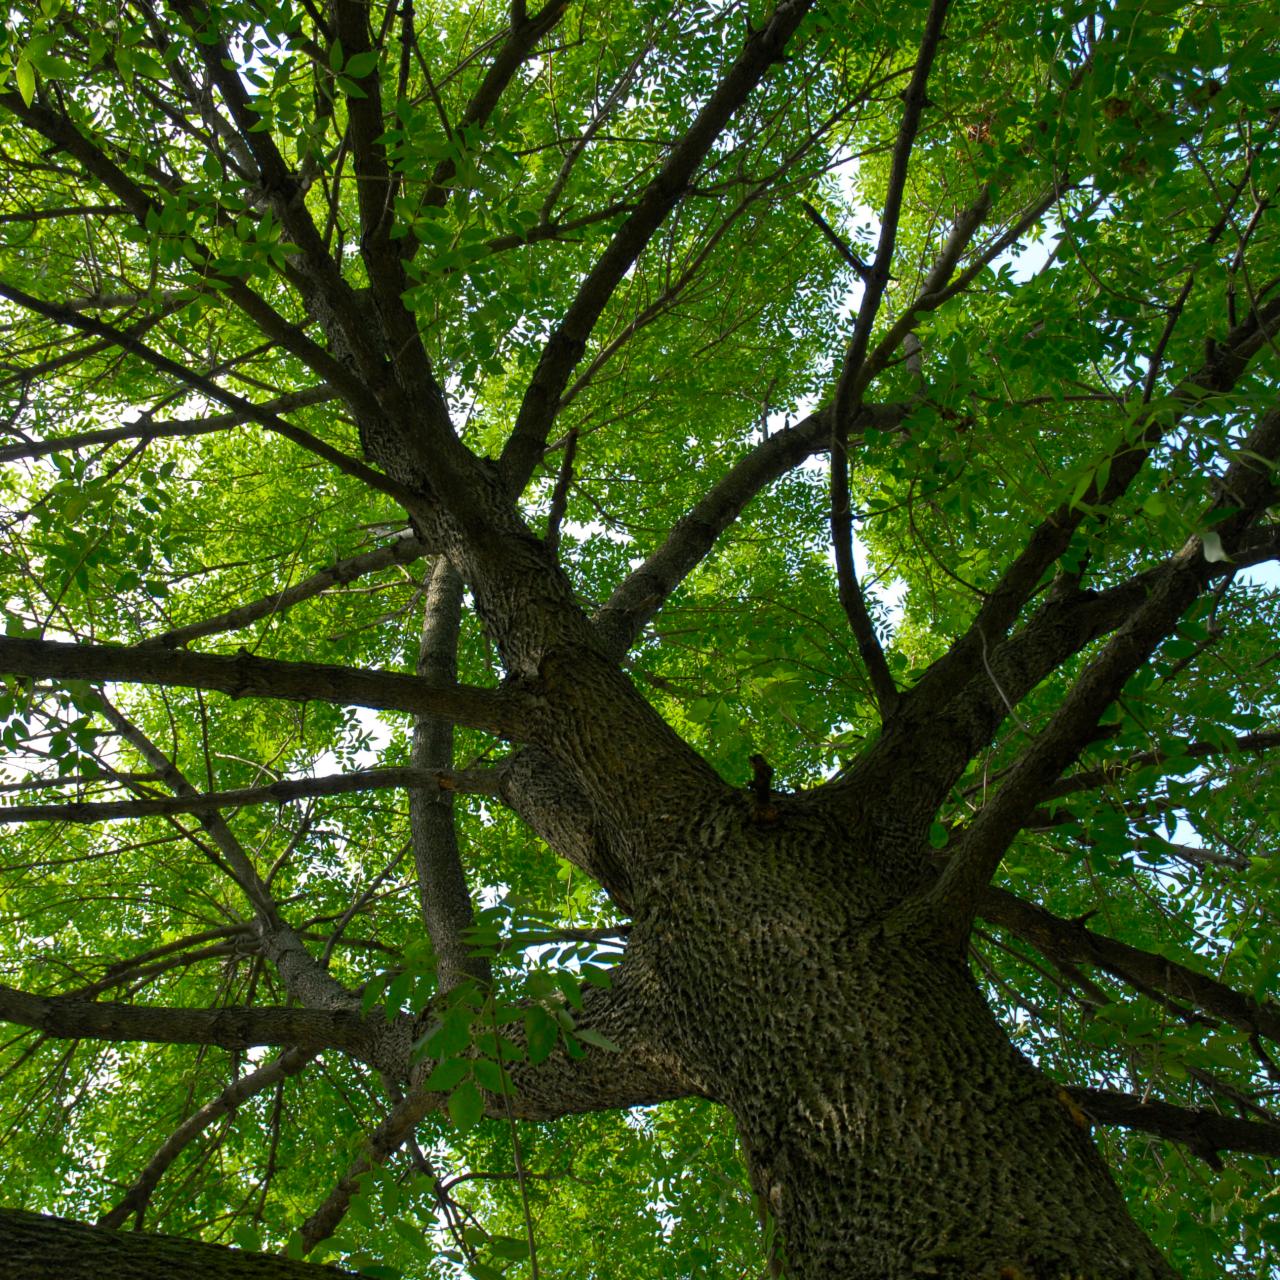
(710, 555)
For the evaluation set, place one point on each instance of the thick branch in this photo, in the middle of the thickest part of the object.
(1071, 941)
(239, 1027)
(1205, 1132)
(245, 676)
(443, 894)
(964, 660)
(1246, 488)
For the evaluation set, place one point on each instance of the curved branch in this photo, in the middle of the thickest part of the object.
(135, 1199)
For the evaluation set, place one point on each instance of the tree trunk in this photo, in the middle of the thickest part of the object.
(890, 1127)
(36, 1247)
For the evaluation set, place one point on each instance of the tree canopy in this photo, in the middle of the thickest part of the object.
(461, 460)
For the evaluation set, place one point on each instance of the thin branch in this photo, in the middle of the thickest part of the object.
(197, 382)
(568, 341)
(135, 1200)
(147, 430)
(404, 550)
(639, 596)
(475, 782)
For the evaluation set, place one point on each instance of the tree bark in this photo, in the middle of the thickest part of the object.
(890, 1127)
(36, 1247)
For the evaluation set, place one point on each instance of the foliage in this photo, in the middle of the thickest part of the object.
(1121, 161)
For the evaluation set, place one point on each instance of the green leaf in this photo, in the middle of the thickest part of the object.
(26, 80)
(589, 1035)
(466, 1106)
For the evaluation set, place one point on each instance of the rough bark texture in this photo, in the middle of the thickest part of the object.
(891, 1128)
(36, 1247)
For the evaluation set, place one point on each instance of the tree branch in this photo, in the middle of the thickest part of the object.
(1072, 942)
(568, 341)
(404, 550)
(39, 1247)
(147, 430)
(948, 676)
(244, 676)
(1243, 492)
(639, 596)
(235, 1027)
(849, 389)
(135, 1200)
(1205, 1132)
(207, 387)
(474, 782)
(443, 894)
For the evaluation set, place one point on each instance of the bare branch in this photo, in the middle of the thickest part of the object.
(244, 676)
(568, 341)
(475, 782)
(404, 550)
(136, 1198)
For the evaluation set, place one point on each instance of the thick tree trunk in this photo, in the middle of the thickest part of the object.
(36, 1247)
(890, 1127)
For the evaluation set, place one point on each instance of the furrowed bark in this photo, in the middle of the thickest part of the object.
(36, 1247)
